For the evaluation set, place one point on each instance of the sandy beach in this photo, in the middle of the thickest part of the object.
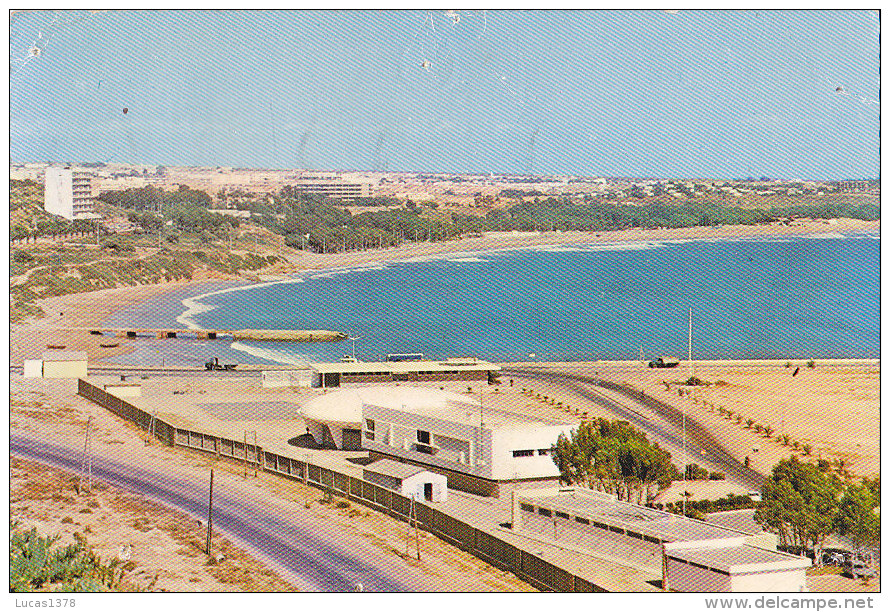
(504, 241)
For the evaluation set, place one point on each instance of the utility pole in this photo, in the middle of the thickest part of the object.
(245, 454)
(692, 373)
(210, 514)
(412, 515)
(256, 449)
(86, 468)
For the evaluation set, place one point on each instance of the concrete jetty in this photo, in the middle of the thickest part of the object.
(280, 335)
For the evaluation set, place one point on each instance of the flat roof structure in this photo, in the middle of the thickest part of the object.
(449, 406)
(387, 467)
(691, 554)
(607, 510)
(404, 367)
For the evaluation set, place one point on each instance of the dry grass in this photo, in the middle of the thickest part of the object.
(165, 543)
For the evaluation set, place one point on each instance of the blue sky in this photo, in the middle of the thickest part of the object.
(716, 94)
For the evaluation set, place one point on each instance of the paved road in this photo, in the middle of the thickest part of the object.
(291, 542)
(668, 432)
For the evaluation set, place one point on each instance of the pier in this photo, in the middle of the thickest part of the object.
(279, 335)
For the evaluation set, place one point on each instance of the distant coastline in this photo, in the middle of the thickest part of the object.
(86, 309)
(507, 241)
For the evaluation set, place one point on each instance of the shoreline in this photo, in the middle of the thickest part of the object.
(30, 338)
(509, 241)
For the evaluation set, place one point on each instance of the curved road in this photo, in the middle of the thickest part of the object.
(697, 436)
(289, 542)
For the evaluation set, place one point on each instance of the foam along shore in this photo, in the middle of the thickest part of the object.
(507, 241)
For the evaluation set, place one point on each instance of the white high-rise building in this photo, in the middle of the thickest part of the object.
(69, 193)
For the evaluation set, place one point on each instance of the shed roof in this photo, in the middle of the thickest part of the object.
(740, 559)
(387, 467)
(606, 509)
(64, 356)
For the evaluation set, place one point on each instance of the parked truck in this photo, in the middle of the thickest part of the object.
(214, 364)
(665, 362)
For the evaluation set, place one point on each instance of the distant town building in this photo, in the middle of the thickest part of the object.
(852, 185)
(342, 190)
(69, 193)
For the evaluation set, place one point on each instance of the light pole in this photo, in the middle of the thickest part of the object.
(692, 374)
(354, 338)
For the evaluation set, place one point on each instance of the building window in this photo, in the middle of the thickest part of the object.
(369, 435)
(582, 520)
(523, 453)
(544, 511)
(369, 424)
(543, 451)
(423, 437)
(562, 515)
(527, 507)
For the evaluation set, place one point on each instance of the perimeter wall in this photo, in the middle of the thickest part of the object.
(539, 573)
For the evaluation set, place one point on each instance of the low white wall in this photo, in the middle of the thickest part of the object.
(64, 369)
(33, 368)
(273, 379)
(789, 581)
(124, 390)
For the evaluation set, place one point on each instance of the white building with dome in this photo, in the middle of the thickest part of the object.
(334, 420)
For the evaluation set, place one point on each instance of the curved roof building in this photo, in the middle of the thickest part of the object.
(335, 419)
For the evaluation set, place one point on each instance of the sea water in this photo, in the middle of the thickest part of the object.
(814, 296)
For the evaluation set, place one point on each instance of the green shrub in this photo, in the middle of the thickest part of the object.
(35, 565)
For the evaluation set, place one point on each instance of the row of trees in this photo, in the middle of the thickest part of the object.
(186, 209)
(322, 224)
(803, 504)
(615, 457)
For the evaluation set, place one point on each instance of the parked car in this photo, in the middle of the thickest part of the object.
(665, 362)
(857, 566)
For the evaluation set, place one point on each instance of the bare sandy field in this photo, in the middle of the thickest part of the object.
(832, 408)
(161, 549)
